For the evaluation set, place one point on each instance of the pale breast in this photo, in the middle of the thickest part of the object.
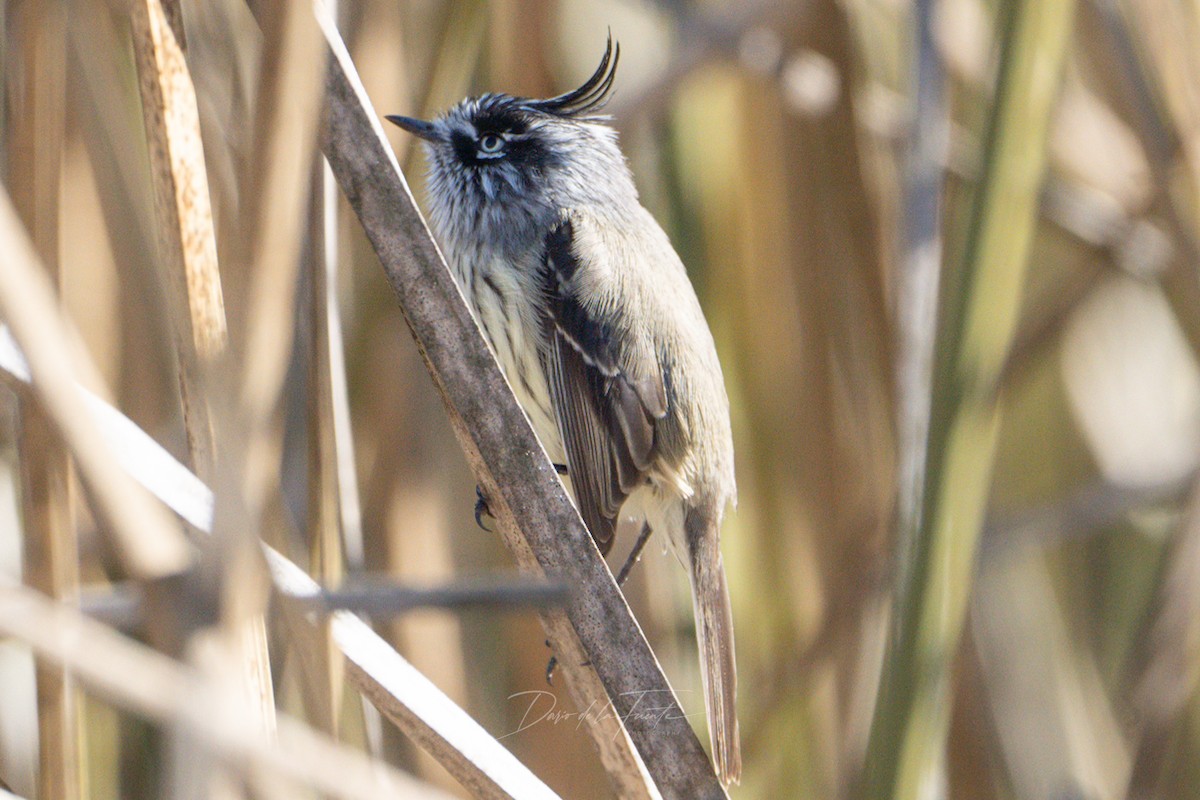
(503, 306)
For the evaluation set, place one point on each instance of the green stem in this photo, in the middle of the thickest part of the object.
(980, 303)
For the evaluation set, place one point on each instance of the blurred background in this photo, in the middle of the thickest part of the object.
(814, 196)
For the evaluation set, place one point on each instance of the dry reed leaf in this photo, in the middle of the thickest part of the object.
(187, 242)
(152, 685)
(148, 543)
(406, 696)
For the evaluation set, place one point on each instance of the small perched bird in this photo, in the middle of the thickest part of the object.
(593, 320)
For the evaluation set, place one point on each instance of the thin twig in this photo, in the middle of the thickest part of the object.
(120, 605)
(382, 600)
(410, 700)
(1089, 509)
(1124, 70)
(330, 496)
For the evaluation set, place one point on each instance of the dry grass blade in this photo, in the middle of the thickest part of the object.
(152, 685)
(285, 132)
(188, 254)
(540, 525)
(406, 696)
(115, 149)
(274, 199)
(187, 242)
(37, 97)
(329, 442)
(146, 540)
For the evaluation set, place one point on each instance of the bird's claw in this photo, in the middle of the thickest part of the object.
(482, 510)
(552, 665)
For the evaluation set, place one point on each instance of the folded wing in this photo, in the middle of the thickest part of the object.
(607, 392)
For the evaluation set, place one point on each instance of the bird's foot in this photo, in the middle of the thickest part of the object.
(482, 512)
(552, 665)
(635, 554)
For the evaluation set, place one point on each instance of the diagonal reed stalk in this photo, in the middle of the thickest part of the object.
(601, 648)
(396, 688)
(979, 305)
(141, 534)
(159, 688)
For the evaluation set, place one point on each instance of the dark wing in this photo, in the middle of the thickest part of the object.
(606, 406)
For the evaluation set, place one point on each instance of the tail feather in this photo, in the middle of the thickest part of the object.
(718, 670)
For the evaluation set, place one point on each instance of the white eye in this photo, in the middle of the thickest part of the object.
(490, 143)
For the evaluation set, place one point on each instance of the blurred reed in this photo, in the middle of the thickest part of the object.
(36, 77)
(162, 161)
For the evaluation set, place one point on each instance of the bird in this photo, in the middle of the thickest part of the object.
(594, 322)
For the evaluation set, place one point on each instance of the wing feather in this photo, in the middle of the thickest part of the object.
(605, 405)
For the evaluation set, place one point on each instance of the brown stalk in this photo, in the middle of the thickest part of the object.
(188, 254)
(187, 242)
(36, 94)
(273, 200)
(275, 197)
(115, 150)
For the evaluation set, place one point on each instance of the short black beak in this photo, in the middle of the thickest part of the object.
(417, 127)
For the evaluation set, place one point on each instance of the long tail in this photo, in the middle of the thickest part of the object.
(714, 633)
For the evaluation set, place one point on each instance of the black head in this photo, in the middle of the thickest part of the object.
(502, 168)
(493, 128)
